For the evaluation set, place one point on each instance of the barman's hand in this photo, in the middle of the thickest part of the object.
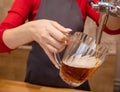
(49, 34)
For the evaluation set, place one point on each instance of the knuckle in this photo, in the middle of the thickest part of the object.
(56, 50)
(62, 39)
(43, 36)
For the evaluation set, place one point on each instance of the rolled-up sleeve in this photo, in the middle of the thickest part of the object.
(3, 47)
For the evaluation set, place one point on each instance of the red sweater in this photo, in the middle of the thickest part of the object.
(22, 10)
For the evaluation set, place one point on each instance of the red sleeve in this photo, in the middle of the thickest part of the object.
(17, 15)
(3, 47)
(92, 13)
(112, 32)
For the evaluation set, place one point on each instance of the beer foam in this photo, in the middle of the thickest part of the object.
(82, 61)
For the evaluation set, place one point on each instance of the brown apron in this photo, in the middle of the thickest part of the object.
(40, 70)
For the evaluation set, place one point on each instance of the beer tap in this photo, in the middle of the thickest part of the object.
(106, 9)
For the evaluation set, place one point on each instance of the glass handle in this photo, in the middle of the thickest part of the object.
(57, 59)
(57, 56)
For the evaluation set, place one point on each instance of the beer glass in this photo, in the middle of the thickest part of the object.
(81, 59)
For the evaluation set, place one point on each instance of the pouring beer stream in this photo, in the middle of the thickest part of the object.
(106, 9)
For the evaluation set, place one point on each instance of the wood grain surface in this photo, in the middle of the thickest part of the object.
(15, 86)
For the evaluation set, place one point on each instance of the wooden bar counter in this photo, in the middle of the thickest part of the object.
(15, 86)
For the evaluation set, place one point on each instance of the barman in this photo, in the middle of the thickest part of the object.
(49, 22)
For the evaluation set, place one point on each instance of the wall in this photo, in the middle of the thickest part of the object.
(4, 6)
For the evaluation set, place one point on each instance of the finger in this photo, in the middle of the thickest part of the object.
(60, 27)
(55, 33)
(52, 48)
(57, 44)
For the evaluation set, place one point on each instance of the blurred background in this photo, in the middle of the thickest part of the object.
(13, 64)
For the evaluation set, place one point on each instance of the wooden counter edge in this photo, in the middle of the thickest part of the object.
(14, 86)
